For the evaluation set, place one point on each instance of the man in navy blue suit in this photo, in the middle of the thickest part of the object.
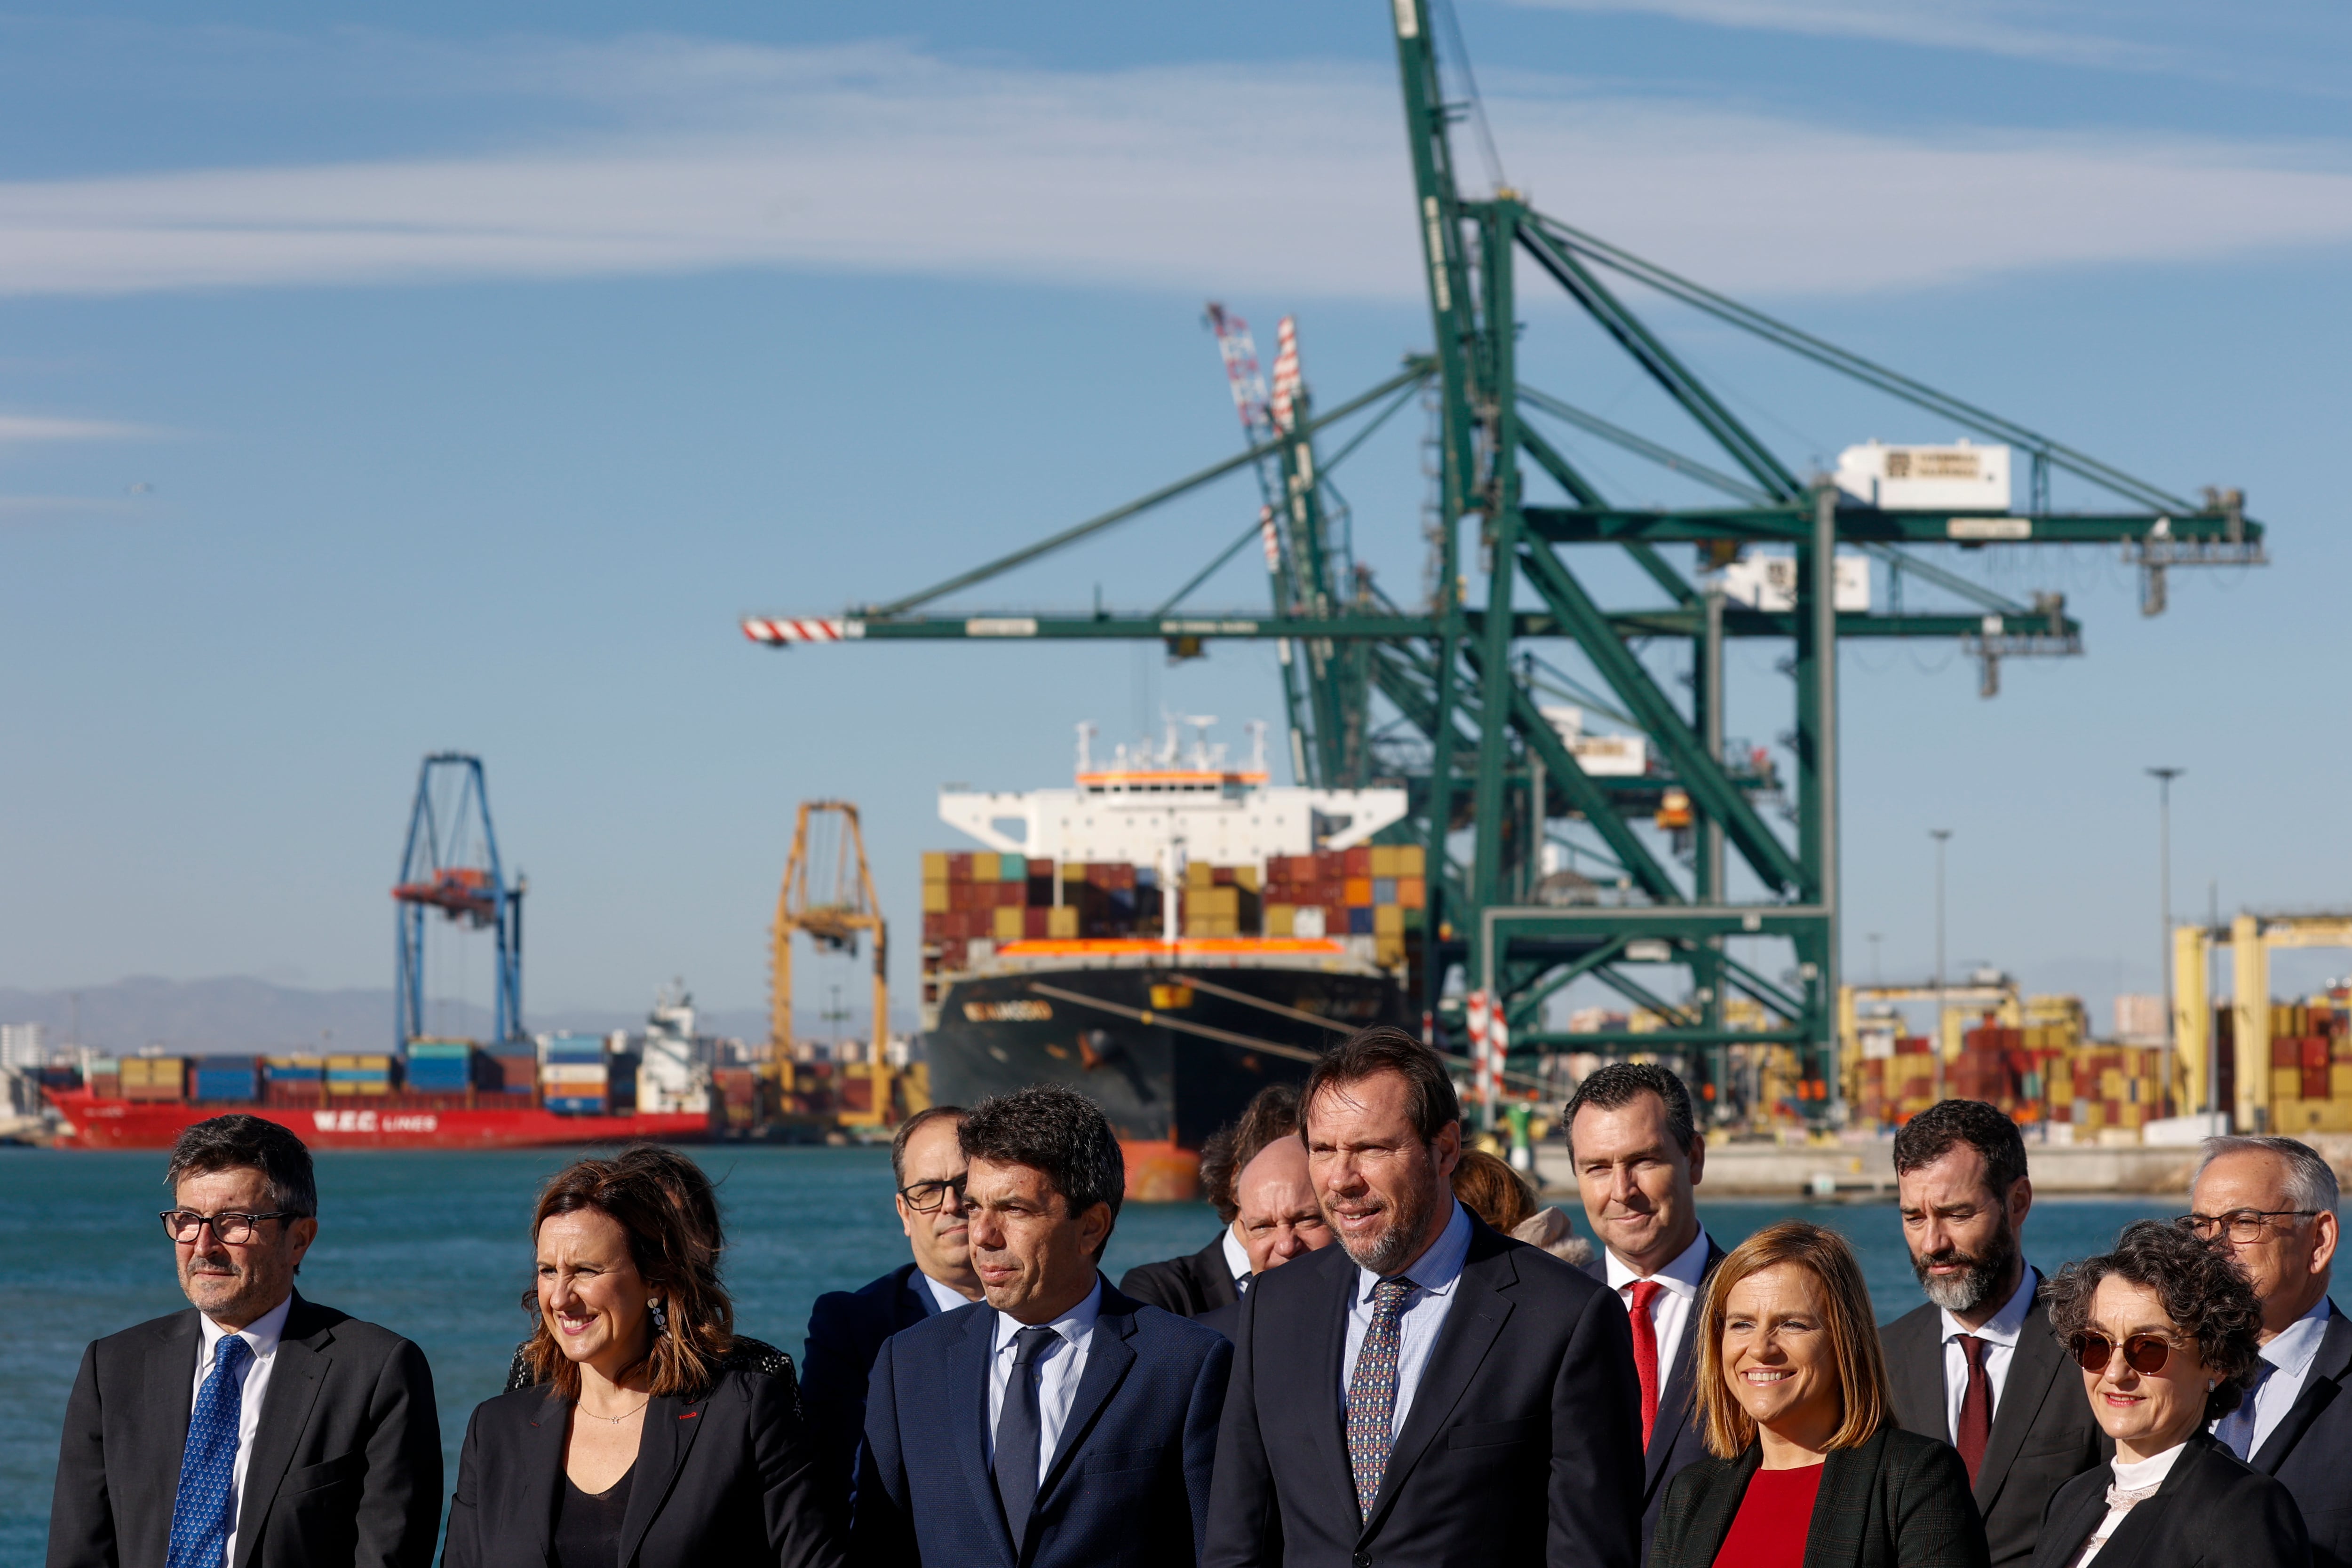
(847, 1328)
(1062, 1422)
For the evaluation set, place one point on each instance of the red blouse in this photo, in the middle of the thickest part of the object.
(1769, 1531)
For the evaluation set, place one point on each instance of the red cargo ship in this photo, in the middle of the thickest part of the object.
(95, 1122)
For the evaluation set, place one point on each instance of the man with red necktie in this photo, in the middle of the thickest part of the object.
(1979, 1366)
(1638, 1156)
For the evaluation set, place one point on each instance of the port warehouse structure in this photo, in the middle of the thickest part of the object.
(1458, 684)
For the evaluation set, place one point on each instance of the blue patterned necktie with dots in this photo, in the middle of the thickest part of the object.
(201, 1513)
(1372, 1393)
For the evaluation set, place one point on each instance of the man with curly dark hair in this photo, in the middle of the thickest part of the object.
(2164, 1330)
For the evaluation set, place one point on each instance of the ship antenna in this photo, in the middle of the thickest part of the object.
(1085, 734)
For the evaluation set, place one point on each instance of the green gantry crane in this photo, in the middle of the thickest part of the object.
(1458, 718)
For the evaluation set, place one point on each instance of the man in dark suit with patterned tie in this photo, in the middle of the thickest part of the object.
(1639, 1157)
(1427, 1390)
(1062, 1425)
(257, 1429)
(847, 1328)
(1979, 1366)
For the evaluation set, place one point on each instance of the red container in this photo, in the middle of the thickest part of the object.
(959, 867)
(2315, 1054)
(1032, 924)
(1359, 860)
(2285, 1052)
(2315, 1082)
(935, 925)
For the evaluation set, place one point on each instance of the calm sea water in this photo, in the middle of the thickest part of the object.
(436, 1248)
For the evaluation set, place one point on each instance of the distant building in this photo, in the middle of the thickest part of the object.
(21, 1045)
(2139, 1018)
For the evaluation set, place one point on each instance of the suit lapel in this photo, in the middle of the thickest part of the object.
(2035, 1367)
(968, 1421)
(1324, 1349)
(2322, 1386)
(2064, 1534)
(295, 1375)
(1108, 1356)
(1840, 1506)
(542, 1469)
(1215, 1275)
(1915, 1366)
(1710, 1521)
(671, 1426)
(2144, 1525)
(168, 1392)
(1479, 1310)
(916, 1302)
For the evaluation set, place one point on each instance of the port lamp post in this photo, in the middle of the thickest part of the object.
(1942, 836)
(2164, 777)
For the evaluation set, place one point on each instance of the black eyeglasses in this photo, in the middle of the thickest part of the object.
(234, 1229)
(924, 1197)
(2144, 1354)
(2243, 1225)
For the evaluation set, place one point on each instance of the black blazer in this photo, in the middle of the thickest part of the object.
(346, 1462)
(2043, 1434)
(726, 1477)
(1185, 1286)
(1675, 1442)
(1126, 1487)
(2308, 1451)
(1522, 1445)
(1899, 1500)
(846, 1331)
(2211, 1513)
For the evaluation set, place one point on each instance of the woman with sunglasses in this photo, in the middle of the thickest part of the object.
(2164, 1328)
(1805, 1467)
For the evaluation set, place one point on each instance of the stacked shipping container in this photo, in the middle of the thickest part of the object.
(573, 1074)
(1373, 890)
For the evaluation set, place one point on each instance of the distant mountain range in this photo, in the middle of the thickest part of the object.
(238, 1013)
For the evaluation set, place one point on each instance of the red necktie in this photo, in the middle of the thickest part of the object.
(1645, 1353)
(1975, 1425)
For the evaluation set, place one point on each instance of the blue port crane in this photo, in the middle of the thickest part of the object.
(451, 864)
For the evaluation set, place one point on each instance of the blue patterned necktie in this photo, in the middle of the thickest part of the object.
(1372, 1393)
(1020, 1426)
(203, 1512)
(2235, 1431)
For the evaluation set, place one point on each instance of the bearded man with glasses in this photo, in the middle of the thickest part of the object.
(2268, 1204)
(1979, 1366)
(847, 1328)
(257, 1429)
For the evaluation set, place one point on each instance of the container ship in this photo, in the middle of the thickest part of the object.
(1168, 936)
(437, 1094)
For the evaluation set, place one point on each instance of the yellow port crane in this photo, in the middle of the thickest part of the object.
(827, 841)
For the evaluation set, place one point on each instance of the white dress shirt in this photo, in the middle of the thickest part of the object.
(2290, 1356)
(1057, 1369)
(261, 1337)
(1999, 1336)
(1434, 1275)
(949, 1300)
(1670, 1310)
(2138, 1476)
(1238, 1259)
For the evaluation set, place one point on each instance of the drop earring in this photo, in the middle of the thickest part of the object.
(661, 1319)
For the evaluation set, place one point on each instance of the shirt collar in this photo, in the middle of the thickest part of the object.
(261, 1335)
(2005, 1324)
(1075, 1326)
(1683, 1276)
(945, 1297)
(1436, 1270)
(1236, 1255)
(2294, 1346)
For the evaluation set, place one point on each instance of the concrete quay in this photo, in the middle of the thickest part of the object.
(1863, 1170)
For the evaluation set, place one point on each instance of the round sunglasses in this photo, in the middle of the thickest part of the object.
(2144, 1354)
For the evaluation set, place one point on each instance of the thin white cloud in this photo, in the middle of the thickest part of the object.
(1982, 27)
(882, 160)
(18, 428)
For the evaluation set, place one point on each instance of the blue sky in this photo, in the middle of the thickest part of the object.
(372, 383)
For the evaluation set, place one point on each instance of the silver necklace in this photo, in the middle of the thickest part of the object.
(616, 1420)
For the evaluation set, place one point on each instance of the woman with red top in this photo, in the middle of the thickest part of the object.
(1807, 1468)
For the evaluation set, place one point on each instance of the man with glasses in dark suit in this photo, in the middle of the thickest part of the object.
(257, 1429)
(2269, 1204)
(847, 1328)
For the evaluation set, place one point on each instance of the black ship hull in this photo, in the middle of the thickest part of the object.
(1165, 1080)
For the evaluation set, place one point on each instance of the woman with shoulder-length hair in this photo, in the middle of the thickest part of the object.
(636, 1445)
(2164, 1328)
(1806, 1467)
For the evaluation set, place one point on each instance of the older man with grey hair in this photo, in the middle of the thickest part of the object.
(2270, 1203)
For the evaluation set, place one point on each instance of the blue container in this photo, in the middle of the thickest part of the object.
(1384, 889)
(289, 1073)
(219, 1084)
(1359, 923)
(577, 1105)
(358, 1075)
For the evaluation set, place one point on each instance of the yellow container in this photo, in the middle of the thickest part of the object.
(988, 866)
(2111, 1084)
(375, 1086)
(1009, 924)
(1388, 950)
(1387, 920)
(1062, 925)
(1409, 860)
(935, 865)
(2286, 1082)
(935, 898)
(1245, 876)
(2339, 1080)
(1214, 902)
(1199, 873)
(1384, 859)
(1280, 919)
